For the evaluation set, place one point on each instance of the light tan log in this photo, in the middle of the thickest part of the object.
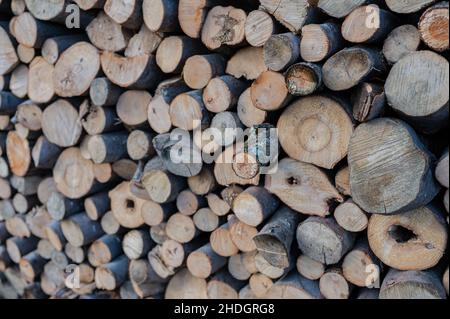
(54, 47)
(109, 224)
(76, 254)
(362, 64)
(242, 234)
(259, 27)
(412, 285)
(161, 186)
(29, 115)
(200, 69)
(188, 111)
(25, 54)
(128, 14)
(173, 52)
(281, 50)
(108, 147)
(90, 4)
(361, 267)
(203, 183)
(19, 154)
(333, 285)
(19, 247)
(320, 41)
(55, 235)
(126, 207)
(25, 185)
(23, 204)
(221, 242)
(17, 227)
(204, 262)
(19, 81)
(246, 293)
(206, 221)
(132, 107)
(104, 250)
(323, 240)
(269, 91)
(181, 228)
(9, 59)
(185, 285)
(416, 240)
(247, 63)
(79, 230)
(222, 93)
(393, 175)
(217, 204)
(401, 42)
(106, 34)
(442, 169)
(113, 274)
(423, 67)
(137, 243)
(351, 217)
(144, 42)
(247, 112)
(224, 286)
(293, 14)
(309, 268)
(294, 286)
(242, 266)
(31, 266)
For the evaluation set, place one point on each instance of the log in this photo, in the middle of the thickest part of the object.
(224, 286)
(294, 286)
(106, 34)
(218, 205)
(104, 250)
(260, 284)
(403, 285)
(433, 27)
(162, 186)
(158, 108)
(185, 285)
(8, 55)
(37, 221)
(204, 262)
(259, 27)
(90, 4)
(40, 79)
(155, 214)
(161, 15)
(247, 112)
(31, 266)
(189, 203)
(23, 204)
(428, 116)
(98, 119)
(104, 93)
(109, 224)
(221, 242)
(192, 15)
(19, 81)
(442, 169)
(144, 42)
(55, 235)
(19, 247)
(97, 205)
(247, 63)
(242, 235)
(19, 154)
(79, 230)
(254, 205)
(292, 14)
(242, 266)
(323, 240)
(108, 147)
(61, 207)
(320, 41)
(25, 54)
(76, 254)
(333, 285)
(275, 239)
(137, 243)
(200, 69)
(368, 24)
(9, 103)
(181, 228)
(269, 91)
(304, 79)
(76, 69)
(362, 64)
(27, 185)
(54, 47)
(361, 267)
(29, 115)
(203, 183)
(113, 274)
(309, 268)
(128, 14)
(402, 41)
(173, 52)
(392, 174)
(206, 221)
(351, 217)
(224, 26)
(222, 93)
(17, 227)
(126, 207)
(188, 111)
(416, 239)
(445, 280)
(369, 102)
(5, 261)
(408, 6)
(341, 9)
(138, 72)
(281, 50)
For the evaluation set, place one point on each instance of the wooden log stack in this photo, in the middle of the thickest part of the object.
(97, 96)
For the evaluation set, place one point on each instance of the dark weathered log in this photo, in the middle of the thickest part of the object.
(19, 247)
(79, 230)
(304, 78)
(281, 50)
(342, 8)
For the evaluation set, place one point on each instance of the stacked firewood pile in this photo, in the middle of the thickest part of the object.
(93, 203)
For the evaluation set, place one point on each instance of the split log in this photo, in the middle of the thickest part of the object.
(8, 55)
(138, 72)
(351, 217)
(369, 102)
(320, 41)
(200, 69)
(137, 243)
(224, 26)
(79, 230)
(247, 63)
(160, 15)
(294, 286)
(368, 24)
(19, 247)
(292, 14)
(433, 27)
(254, 205)
(259, 27)
(275, 238)
(408, 6)
(341, 9)
(416, 239)
(333, 285)
(224, 286)
(429, 109)
(104, 250)
(188, 111)
(109, 147)
(312, 138)
(304, 79)
(351, 66)
(361, 267)
(97, 205)
(281, 50)
(40, 79)
(323, 240)
(221, 242)
(269, 91)
(158, 108)
(185, 285)
(309, 268)
(442, 169)
(173, 52)
(128, 14)
(106, 34)
(181, 228)
(392, 174)
(401, 42)
(126, 207)
(76, 69)
(112, 275)
(405, 285)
